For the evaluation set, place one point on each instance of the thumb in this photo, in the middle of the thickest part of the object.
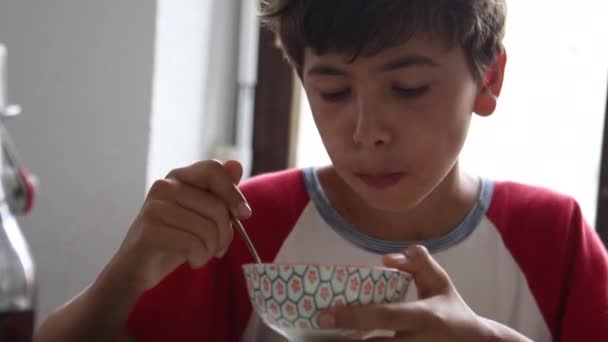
(235, 169)
(430, 278)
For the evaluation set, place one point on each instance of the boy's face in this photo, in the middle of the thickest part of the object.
(394, 123)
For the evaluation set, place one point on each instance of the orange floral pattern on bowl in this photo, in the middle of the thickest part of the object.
(291, 296)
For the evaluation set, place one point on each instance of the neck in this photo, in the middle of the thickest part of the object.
(441, 211)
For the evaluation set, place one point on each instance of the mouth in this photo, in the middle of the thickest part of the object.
(381, 180)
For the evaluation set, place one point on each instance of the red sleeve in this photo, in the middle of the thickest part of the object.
(188, 305)
(562, 257)
(211, 304)
(585, 302)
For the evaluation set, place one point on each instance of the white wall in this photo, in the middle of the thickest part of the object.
(115, 95)
(82, 70)
(194, 82)
(182, 55)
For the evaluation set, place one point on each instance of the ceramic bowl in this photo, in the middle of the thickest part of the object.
(289, 297)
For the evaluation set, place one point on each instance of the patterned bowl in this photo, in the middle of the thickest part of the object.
(289, 297)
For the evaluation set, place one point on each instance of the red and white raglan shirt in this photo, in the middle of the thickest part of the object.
(523, 256)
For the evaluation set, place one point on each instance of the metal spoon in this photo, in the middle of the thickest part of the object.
(245, 236)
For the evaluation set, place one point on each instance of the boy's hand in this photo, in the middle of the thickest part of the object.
(185, 218)
(440, 314)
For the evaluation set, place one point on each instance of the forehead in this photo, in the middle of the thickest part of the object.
(419, 45)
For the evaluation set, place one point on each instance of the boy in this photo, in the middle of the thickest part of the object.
(392, 85)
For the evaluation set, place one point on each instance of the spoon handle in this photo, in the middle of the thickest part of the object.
(245, 236)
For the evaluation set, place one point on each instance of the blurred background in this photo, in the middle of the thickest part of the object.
(117, 93)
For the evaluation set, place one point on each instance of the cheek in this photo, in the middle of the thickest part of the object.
(333, 124)
(460, 108)
(441, 125)
(455, 129)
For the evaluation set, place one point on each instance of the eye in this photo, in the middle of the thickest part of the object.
(411, 92)
(335, 96)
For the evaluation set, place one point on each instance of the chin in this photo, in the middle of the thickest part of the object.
(399, 198)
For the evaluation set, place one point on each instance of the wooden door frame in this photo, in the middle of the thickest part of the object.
(273, 108)
(602, 202)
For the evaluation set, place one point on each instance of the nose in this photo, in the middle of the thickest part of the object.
(370, 130)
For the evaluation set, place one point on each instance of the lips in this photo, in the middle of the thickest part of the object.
(381, 180)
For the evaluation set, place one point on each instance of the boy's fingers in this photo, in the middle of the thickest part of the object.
(187, 245)
(235, 169)
(406, 336)
(397, 316)
(178, 218)
(430, 278)
(212, 176)
(203, 203)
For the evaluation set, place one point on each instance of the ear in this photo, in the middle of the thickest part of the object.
(485, 103)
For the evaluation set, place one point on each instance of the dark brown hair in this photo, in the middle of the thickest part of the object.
(365, 27)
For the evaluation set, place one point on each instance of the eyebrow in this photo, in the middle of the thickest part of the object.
(398, 63)
(408, 61)
(327, 70)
